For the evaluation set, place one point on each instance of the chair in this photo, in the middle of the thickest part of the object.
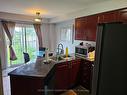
(41, 52)
(42, 48)
(26, 57)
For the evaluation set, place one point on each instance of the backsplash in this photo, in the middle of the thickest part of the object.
(92, 43)
(71, 47)
(77, 42)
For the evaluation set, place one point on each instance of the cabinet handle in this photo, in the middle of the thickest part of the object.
(98, 19)
(70, 65)
(92, 65)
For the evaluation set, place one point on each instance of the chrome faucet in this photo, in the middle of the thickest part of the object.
(62, 50)
(58, 53)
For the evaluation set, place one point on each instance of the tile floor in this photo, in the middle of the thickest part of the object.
(6, 81)
(6, 85)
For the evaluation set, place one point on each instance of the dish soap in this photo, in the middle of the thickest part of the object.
(46, 54)
(66, 53)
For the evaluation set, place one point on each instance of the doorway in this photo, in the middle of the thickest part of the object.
(24, 40)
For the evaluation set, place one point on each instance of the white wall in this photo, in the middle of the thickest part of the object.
(3, 48)
(69, 44)
(49, 36)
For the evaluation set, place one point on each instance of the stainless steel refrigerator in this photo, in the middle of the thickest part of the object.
(110, 67)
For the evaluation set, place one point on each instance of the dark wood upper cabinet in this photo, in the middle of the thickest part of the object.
(85, 28)
(80, 28)
(100, 18)
(123, 15)
(91, 27)
(107, 17)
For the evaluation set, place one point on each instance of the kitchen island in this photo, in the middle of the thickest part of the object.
(30, 79)
(38, 78)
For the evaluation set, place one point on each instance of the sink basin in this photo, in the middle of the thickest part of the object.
(64, 56)
(61, 58)
(57, 59)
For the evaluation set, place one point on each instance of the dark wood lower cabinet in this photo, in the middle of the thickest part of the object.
(86, 74)
(61, 77)
(74, 73)
(71, 74)
(66, 75)
(21, 85)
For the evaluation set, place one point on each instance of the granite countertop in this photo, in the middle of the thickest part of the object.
(36, 69)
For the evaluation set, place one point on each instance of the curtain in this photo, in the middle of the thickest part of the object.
(9, 30)
(37, 28)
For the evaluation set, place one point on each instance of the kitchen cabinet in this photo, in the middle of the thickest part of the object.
(85, 28)
(80, 28)
(31, 79)
(66, 75)
(106, 17)
(123, 15)
(61, 76)
(91, 27)
(86, 74)
(21, 85)
(74, 72)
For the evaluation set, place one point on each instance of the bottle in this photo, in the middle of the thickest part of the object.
(46, 54)
(66, 53)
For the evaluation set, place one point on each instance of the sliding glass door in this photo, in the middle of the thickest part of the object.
(24, 40)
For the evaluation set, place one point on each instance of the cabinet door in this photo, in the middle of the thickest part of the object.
(80, 28)
(62, 76)
(111, 16)
(100, 18)
(123, 15)
(86, 74)
(91, 27)
(22, 85)
(74, 72)
(107, 17)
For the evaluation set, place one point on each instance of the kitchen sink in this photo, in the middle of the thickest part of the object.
(57, 58)
(64, 56)
(61, 58)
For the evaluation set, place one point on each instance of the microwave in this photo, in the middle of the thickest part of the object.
(81, 51)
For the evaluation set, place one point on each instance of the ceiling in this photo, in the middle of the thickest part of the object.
(47, 8)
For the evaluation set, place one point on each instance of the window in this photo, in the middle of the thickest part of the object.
(24, 40)
(66, 33)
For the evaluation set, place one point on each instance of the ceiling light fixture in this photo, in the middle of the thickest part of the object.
(38, 18)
